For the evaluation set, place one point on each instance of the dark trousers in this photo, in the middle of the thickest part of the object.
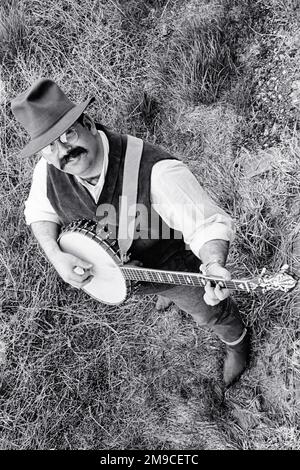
(223, 318)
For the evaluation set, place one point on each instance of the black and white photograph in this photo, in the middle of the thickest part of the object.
(150, 235)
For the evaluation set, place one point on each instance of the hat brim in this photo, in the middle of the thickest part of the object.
(59, 128)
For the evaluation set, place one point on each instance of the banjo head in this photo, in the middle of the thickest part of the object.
(108, 284)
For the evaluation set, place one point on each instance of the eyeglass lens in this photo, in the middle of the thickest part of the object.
(70, 136)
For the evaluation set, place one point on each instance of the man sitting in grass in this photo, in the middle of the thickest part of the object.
(82, 170)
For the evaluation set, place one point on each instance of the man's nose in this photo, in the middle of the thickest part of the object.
(63, 147)
(62, 150)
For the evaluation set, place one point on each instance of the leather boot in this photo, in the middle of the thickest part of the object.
(236, 361)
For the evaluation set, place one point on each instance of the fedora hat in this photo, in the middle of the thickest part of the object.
(45, 112)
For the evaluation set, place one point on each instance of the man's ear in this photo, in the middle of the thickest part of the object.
(89, 124)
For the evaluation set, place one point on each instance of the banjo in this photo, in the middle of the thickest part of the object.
(111, 279)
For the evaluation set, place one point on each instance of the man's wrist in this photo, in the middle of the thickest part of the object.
(214, 251)
(52, 250)
(204, 267)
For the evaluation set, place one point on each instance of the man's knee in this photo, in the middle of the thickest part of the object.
(209, 315)
(191, 301)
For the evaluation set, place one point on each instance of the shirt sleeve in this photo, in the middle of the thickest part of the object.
(183, 204)
(37, 206)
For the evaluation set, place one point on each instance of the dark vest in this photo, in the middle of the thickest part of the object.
(153, 240)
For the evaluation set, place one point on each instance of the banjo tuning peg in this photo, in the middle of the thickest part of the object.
(281, 281)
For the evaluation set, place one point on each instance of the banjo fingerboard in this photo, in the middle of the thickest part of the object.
(180, 278)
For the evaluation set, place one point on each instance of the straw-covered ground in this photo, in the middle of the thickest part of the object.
(218, 84)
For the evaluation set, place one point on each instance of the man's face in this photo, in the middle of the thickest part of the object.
(76, 151)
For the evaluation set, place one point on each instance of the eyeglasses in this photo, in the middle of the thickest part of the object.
(70, 136)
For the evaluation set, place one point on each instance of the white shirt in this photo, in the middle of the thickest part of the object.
(175, 195)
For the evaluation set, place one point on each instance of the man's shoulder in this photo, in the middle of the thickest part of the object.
(156, 152)
(39, 175)
(152, 152)
(41, 167)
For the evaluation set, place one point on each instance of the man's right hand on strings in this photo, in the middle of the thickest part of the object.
(66, 264)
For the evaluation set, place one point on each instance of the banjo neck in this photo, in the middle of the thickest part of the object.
(97, 247)
(134, 273)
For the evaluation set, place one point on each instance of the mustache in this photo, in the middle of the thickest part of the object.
(71, 154)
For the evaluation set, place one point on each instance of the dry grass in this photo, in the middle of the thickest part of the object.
(192, 77)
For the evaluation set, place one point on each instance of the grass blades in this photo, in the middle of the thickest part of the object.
(216, 83)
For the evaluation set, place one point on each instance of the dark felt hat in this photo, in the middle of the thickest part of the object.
(45, 112)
